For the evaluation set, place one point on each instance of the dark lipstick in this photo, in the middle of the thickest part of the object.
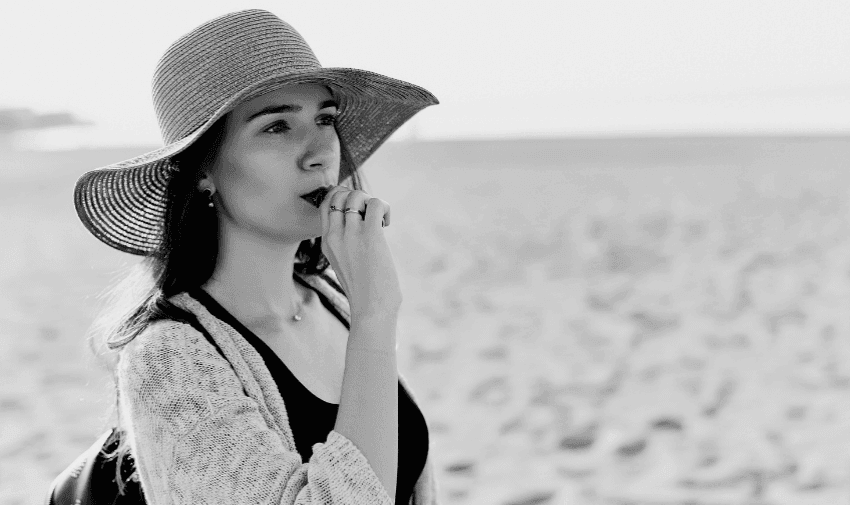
(316, 196)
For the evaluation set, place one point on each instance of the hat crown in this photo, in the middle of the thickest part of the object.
(218, 59)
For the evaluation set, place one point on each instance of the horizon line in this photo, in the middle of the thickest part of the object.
(613, 136)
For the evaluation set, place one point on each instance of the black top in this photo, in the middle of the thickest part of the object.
(311, 418)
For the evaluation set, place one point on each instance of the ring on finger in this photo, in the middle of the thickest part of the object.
(352, 211)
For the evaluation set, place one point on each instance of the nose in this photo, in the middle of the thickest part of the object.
(319, 153)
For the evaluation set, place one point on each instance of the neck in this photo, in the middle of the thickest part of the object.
(253, 279)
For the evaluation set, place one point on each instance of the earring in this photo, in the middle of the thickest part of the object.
(209, 194)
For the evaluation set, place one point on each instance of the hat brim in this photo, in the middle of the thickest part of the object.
(123, 204)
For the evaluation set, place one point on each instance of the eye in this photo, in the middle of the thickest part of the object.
(277, 127)
(328, 119)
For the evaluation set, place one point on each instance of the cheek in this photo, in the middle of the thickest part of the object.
(256, 187)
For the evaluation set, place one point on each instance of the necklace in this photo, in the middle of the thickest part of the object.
(297, 316)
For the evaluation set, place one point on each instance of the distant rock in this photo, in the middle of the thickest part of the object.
(25, 119)
(14, 121)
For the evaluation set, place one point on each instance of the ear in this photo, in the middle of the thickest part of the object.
(206, 182)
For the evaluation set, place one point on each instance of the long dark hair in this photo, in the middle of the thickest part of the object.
(185, 259)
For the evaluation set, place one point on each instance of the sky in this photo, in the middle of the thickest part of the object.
(499, 68)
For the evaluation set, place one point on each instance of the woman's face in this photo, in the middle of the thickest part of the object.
(277, 147)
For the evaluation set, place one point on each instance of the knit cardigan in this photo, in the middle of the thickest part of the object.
(203, 429)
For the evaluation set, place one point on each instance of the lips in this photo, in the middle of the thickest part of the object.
(316, 196)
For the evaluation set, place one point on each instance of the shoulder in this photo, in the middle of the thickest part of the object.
(169, 349)
(170, 370)
(159, 336)
(167, 379)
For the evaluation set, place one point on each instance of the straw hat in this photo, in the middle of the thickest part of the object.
(204, 75)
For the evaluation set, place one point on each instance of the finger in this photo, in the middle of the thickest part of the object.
(335, 197)
(323, 210)
(356, 200)
(377, 211)
(385, 219)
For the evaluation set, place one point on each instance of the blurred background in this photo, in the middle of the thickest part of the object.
(622, 236)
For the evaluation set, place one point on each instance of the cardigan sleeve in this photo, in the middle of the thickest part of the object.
(196, 437)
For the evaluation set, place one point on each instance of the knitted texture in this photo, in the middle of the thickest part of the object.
(205, 429)
(204, 75)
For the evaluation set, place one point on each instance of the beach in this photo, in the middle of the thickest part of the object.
(585, 321)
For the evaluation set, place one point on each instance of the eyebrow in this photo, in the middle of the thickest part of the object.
(277, 109)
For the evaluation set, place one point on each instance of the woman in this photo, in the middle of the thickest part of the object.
(235, 382)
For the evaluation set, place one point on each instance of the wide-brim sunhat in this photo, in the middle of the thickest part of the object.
(204, 75)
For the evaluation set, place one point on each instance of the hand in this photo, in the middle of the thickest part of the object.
(357, 249)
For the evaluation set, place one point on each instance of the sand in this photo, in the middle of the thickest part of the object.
(585, 322)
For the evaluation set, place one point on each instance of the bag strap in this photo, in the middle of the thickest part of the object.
(198, 326)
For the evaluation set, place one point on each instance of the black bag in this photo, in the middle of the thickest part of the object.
(90, 479)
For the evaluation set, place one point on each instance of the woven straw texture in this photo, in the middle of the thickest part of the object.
(204, 75)
(204, 431)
